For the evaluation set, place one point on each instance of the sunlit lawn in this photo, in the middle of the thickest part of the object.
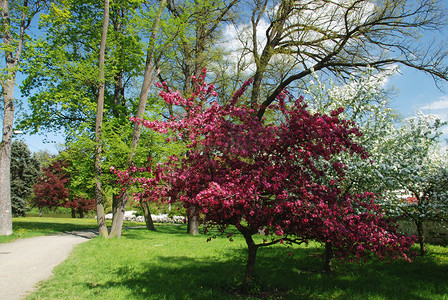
(36, 226)
(168, 264)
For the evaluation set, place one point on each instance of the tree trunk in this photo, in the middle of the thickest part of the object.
(40, 212)
(149, 77)
(328, 255)
(5, 156)
(421, 237)
(73, 213)
(81, 213)
(193, 222)
(261, 64)
(11, 60)
(250, 265)
(102, 228)
(148, 218)
(119, 210)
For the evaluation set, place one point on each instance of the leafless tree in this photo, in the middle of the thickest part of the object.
(341, 38)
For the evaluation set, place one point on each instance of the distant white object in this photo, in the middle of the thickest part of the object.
(130, 215)
(160, 218)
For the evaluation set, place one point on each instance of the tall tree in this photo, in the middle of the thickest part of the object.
(67, 50)
(25, 169)
(341, 38)
(16, 18)
(196, 49)
(98, 128)
(149, 76)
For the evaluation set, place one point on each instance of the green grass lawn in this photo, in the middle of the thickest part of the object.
(36, 226)
(168, 264)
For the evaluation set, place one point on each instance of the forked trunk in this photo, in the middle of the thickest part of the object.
(118, 218)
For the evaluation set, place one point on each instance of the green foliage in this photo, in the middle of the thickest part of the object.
(61, 83)
(79, 153)
(24, 171)
(62, 66)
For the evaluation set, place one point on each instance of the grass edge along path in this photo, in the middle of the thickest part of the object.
(168, 264)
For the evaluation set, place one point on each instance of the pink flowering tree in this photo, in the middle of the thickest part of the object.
(269, 177)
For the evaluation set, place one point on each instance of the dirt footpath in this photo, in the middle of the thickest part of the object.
(25, 262)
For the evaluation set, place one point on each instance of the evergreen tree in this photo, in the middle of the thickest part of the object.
(24, 172)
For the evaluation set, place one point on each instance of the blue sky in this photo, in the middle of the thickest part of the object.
(415, 90)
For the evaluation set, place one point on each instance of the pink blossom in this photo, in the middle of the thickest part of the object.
(254, 174)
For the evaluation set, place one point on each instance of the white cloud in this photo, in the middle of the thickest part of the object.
(440, 104)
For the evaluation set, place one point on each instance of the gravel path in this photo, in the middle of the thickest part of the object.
(25, 262)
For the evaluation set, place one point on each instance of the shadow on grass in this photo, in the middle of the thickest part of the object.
(294, 272)
(175, 278)
(421, 279)
(179, 230)
(142, 233)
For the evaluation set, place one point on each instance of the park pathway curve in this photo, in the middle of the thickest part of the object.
(25, 262)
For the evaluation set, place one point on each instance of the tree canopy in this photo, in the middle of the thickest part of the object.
(261, 176)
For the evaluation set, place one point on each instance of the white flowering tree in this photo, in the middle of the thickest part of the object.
(404, 160)
(366, 103)
(415, 165)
